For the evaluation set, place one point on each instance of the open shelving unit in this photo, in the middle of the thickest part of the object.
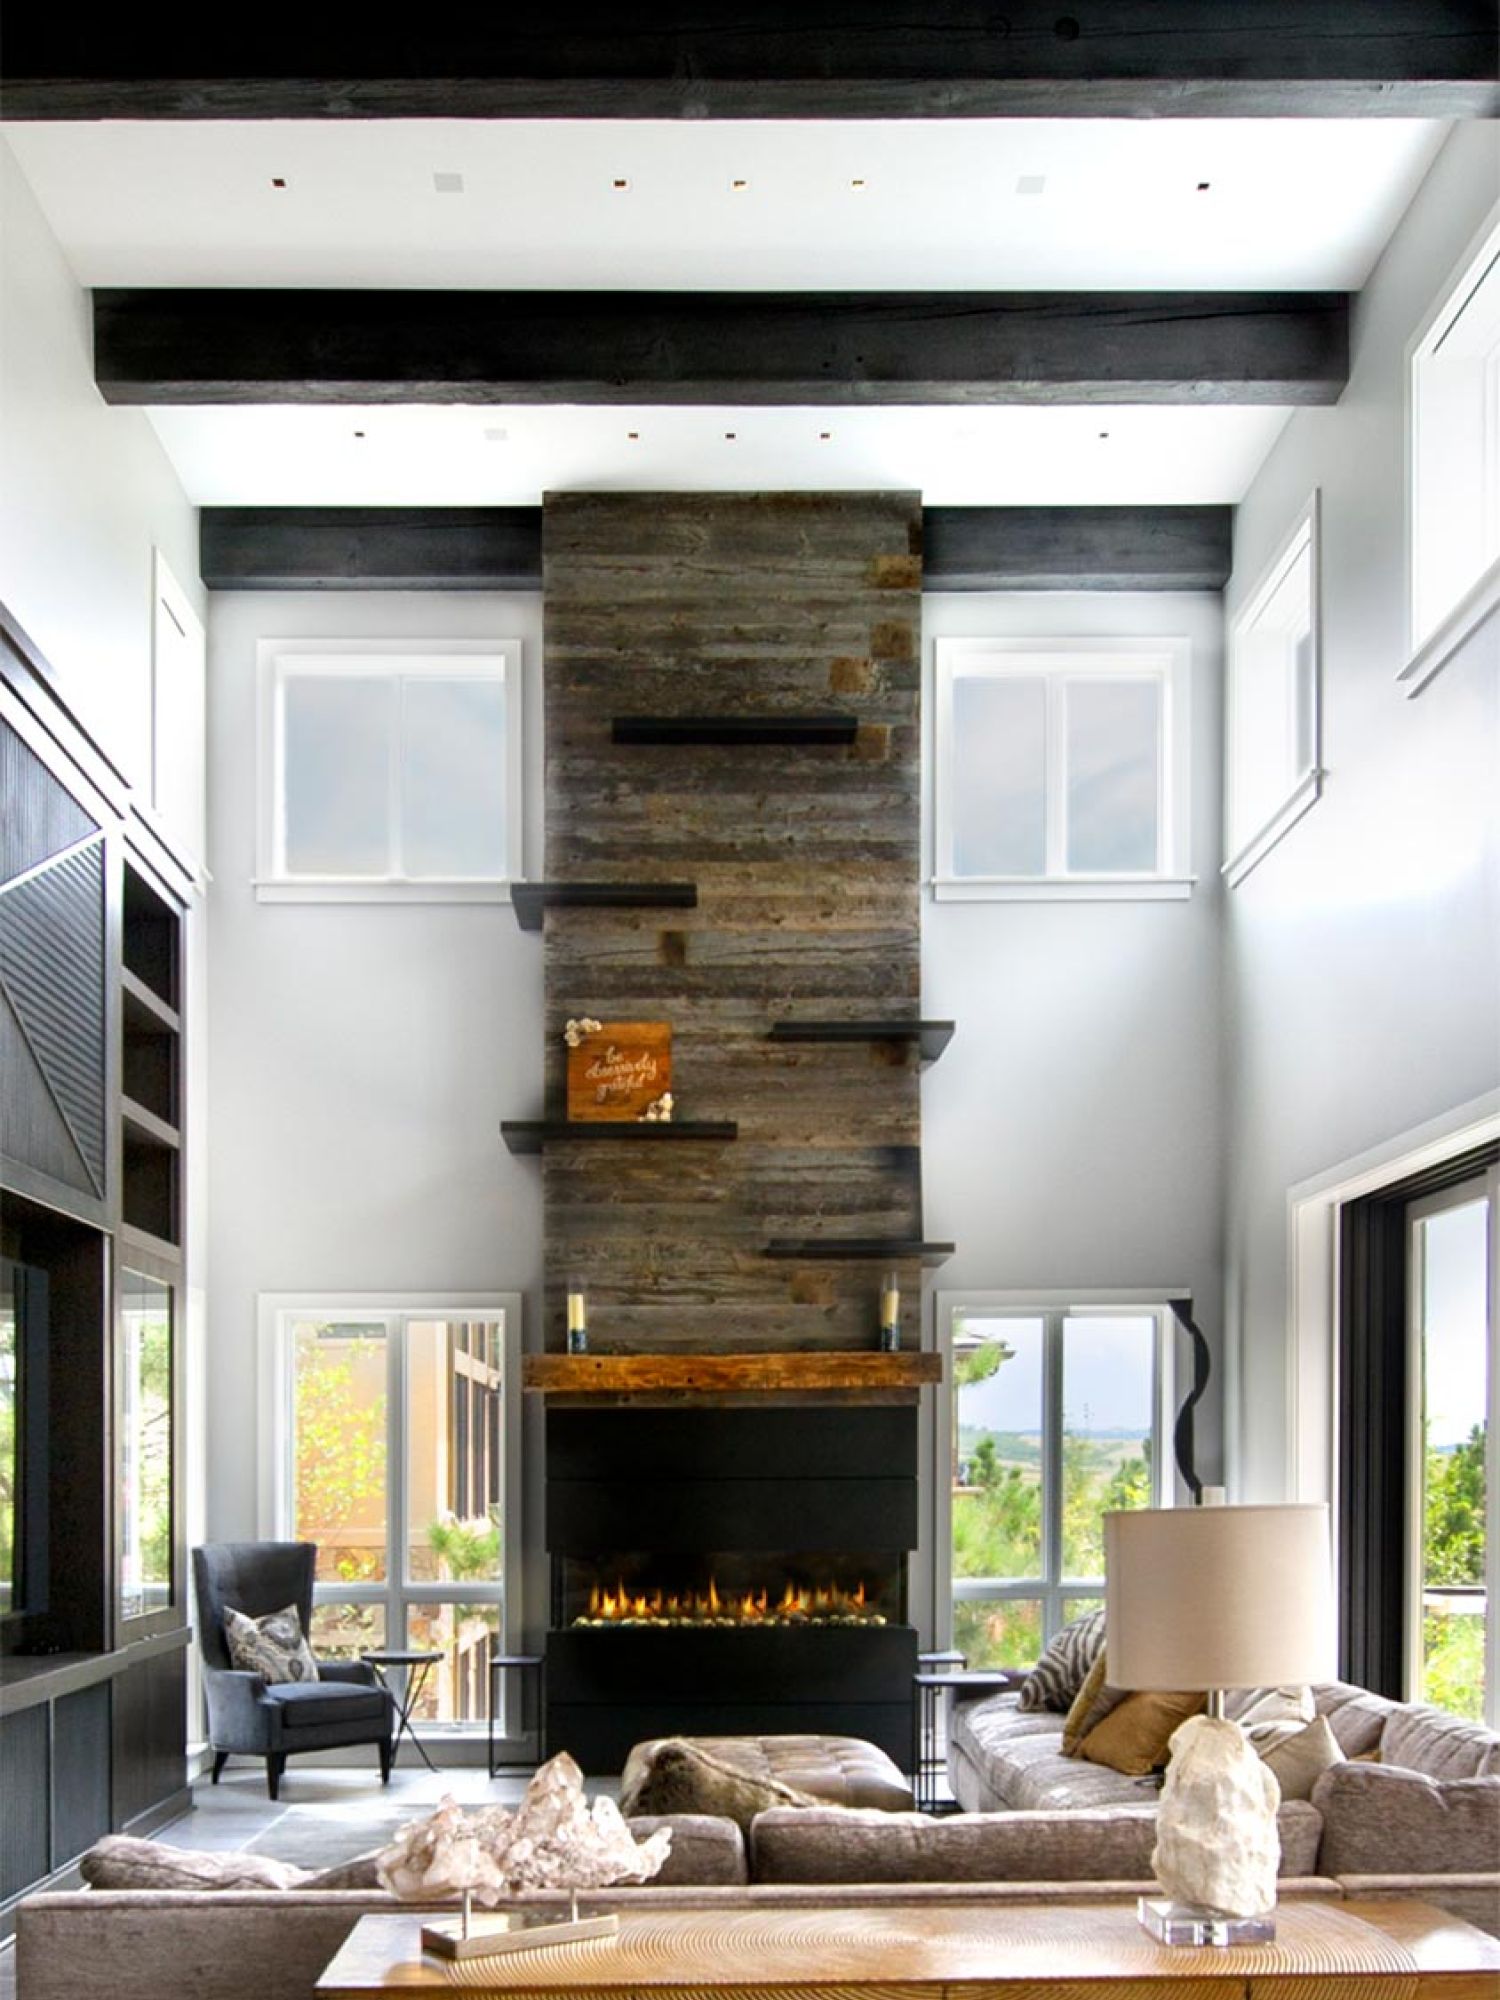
(151, 1061)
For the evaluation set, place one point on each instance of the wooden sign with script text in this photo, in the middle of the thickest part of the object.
(618, 1069)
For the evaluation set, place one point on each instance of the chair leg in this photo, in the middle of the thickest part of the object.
(221, 1758)
(385, 1760)
(275, 1765)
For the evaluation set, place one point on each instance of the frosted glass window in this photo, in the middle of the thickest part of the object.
(337, 736)
(1061, 768)
(452, 778)
(1113, 775)
(1272, 759)
(1000, 776)
(1455, 450)
(388, 772)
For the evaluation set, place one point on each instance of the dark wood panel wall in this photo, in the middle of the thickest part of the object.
(806, 861)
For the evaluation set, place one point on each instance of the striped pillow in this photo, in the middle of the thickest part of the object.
(1064, 1667)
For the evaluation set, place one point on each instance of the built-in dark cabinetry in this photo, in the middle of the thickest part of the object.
(93, 1623)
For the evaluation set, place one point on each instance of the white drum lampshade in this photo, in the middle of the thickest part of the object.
(1218, 1597)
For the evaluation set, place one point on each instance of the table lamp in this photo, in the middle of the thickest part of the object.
(1212, 1598)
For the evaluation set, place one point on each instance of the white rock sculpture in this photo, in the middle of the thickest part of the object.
(1216, 1841)
(554, 1840)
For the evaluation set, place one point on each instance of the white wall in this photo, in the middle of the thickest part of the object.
(363, 1055)
(87, 491)
(1072, 1135)
(1364, 953)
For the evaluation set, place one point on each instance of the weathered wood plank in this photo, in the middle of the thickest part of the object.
(791, 59)
(806, 865)
(757, 349)
(1078, 548)
(616, 1373)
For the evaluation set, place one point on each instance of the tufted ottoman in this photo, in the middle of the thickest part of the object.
(840, 1770)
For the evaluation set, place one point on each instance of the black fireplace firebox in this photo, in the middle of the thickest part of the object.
(726, 1571)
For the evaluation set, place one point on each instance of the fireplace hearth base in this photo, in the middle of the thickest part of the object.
(608, 1690)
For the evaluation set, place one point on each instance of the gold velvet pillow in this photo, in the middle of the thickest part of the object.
(1094, 1700)
(1133, 1738)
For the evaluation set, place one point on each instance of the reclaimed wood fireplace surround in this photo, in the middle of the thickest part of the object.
(732, 703)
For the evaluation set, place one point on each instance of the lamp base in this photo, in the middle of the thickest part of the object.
(489, 1934)
(1187, 1923)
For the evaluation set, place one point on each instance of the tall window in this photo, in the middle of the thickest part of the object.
(1453, 400)
(1452, 1536)
(396, 1435)
(1062, 768)
(389, 774)
(1054, 1417)
(1273, 711)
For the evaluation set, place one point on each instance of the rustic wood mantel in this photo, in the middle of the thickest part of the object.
(821, 1373)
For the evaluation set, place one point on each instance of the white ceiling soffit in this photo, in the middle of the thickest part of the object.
(1005, 204)
(285, 455)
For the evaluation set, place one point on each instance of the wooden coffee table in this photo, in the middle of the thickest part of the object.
(938, 1951)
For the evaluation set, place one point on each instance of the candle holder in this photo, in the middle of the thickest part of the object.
(890, 1314)
(578, 1318)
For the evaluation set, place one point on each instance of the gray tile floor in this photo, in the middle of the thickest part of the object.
(325, 1814)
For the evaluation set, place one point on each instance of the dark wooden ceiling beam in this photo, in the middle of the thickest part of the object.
(720, 348)
(500, 548)
(777, 59)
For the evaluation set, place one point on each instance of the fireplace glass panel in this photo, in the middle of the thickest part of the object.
(731, 1590)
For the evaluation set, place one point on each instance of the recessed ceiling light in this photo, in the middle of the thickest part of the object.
(633, 436)
(448, 183)
(1203, 187)
(620, 184)
(278, 181)
(858, 185)
(495, 436)
(359, 434)
(1032, 184)
(738, 186)
(825, 437)
(730, 436)
(1104, 434)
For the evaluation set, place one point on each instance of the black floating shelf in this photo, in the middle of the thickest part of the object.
(931, 1037)
(837, 728)
(530, 1135)
(530, 899)
(872, 1249)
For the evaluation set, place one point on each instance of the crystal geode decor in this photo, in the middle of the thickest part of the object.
(553, 1840)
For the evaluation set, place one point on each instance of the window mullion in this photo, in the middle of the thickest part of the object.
(395, 1480)
(396, 850)
(1052, 1472)
(1055, 785)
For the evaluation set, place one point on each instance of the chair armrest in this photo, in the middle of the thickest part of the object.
(237, 1717)
(355, 1672)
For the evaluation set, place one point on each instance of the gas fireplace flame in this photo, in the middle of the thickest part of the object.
(822, 1604)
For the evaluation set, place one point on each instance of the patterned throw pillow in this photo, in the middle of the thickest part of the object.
(275, 1647)
(1064, 1667)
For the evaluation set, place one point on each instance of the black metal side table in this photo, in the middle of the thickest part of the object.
(928, 1691)
(415, 1668)
(532, 1667)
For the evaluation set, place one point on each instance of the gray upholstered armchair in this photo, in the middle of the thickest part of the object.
(345, 1705)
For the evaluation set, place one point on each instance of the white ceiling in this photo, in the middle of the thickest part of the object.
(1072, 205)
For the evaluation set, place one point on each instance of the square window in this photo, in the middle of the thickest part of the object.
(1453, 458)
(1273, 712)
(1062, 768)
(389, 772)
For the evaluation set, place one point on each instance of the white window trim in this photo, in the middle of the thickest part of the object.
(1170, 660)
(274, 1435)
(353, 656)
(1304, 533)
(1094, 1303)
(1427, 656)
